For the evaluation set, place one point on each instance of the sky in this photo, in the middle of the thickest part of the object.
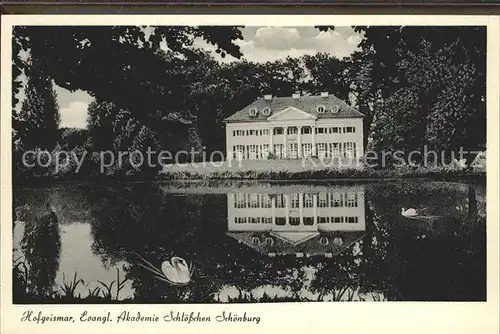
(259, 44)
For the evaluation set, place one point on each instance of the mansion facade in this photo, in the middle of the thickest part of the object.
(295, 127)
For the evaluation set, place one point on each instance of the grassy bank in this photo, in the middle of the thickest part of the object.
(265, 170)
(295, 170)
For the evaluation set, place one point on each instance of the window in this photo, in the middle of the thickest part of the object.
(337, 200)
(320, 109)
(306, 130)
(252, 151)
(294, 221)
(278, 150)
(254, 201)
(351, 220)
(308, 201)
(308, 221)
(295, 200)
(280, 221)
(278, 131)
(321, 148)
(320, 130)
(238, 152)
(266, 201)
(240, 201)
(334, 149)
(349, 129)
(263, 151)
(338, 220)
(292, 130)
(335, 129)
(350, 150)
(322, 200)
(280, 201)
(352, 200)
(322, 220)
(306, 150)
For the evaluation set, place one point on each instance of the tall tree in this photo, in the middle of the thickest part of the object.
(38, 120)
(327, 74)
(426, 86)
(120, 63)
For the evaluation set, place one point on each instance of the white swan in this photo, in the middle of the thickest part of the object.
(416, 214)
(174, 271)
(409, 212)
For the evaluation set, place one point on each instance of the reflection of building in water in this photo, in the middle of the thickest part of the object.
(304, 223)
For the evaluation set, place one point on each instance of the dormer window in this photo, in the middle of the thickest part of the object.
(253, 111)
(324, 241)
(320, 109)
(255, 241)
(335, 109)
(266, 111)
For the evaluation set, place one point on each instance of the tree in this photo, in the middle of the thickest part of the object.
(38, 120)
(120, 63)
(425, 86)
(328, 74)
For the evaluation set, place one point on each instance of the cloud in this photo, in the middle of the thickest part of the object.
(74, 115)
(263, 44)
(273, 43)
(276, 38)
(65, 97)
(327, 37)
(354, 40)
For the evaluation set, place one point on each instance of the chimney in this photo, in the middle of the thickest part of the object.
(268, 97)
(296, 96)
(324, 94)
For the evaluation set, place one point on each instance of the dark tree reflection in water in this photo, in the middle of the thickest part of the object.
(439, 257)
(41, 248)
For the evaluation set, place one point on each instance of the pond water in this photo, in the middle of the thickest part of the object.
(250, 242)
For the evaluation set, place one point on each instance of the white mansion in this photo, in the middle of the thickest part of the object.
(295, 127)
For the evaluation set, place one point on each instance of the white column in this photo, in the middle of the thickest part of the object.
(299, 142)
(315, 208)
(271, 140)
(313, 134)
(301, 207)
(287, 209)
(285, 133)
(273, 209)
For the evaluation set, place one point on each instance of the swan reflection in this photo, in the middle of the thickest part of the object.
(301, 223)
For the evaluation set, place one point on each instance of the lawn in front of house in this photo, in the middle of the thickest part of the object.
(273, 166)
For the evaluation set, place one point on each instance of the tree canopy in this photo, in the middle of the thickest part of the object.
(416, 86)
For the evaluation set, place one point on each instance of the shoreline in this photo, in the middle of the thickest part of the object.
(36, 182)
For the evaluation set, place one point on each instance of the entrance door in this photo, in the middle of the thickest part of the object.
(293, 150)
(278, 151)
